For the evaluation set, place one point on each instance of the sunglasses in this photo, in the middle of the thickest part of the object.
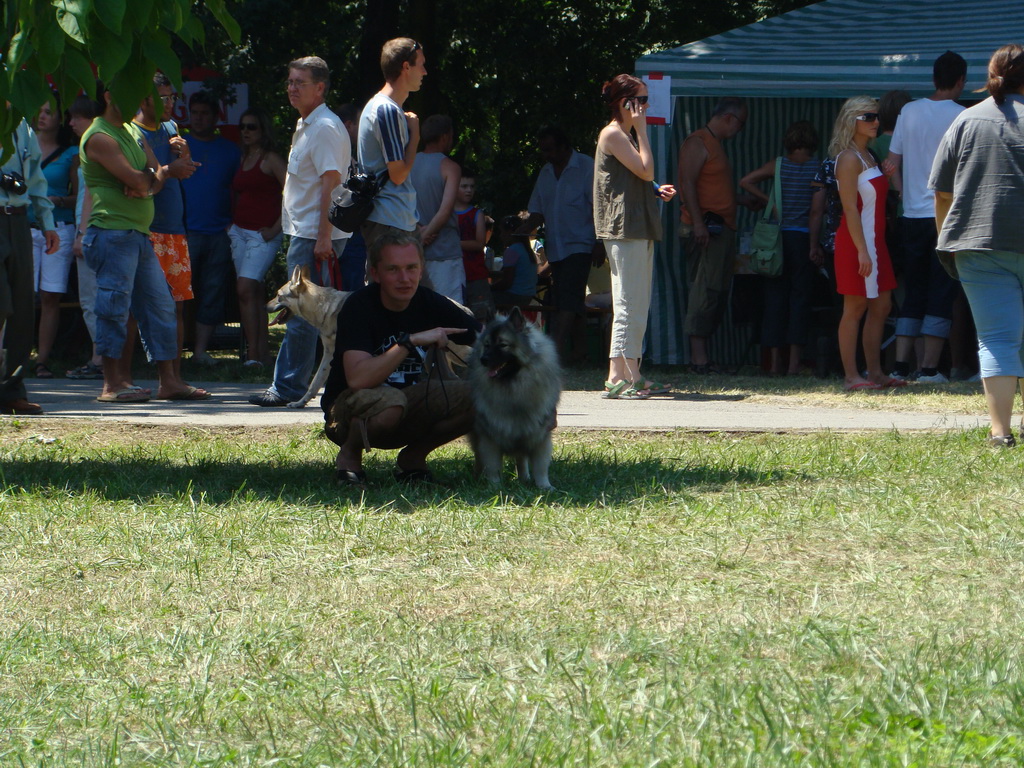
(639, 99)
(169, 98)
(411, 58)
(868, 117)
(249, 126)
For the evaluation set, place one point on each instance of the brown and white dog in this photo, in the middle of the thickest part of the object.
(317, 305)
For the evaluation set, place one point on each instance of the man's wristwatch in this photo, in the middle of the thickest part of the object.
(403, 340)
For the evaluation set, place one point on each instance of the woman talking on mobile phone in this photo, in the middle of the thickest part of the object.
(627, 219)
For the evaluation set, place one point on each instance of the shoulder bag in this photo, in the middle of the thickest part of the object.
(766, 241)
(353, 205)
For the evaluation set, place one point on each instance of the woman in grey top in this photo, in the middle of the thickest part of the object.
(627, 219)
(978, 178)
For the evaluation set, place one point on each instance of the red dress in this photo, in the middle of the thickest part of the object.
(872, 189)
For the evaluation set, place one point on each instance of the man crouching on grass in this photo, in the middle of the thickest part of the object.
(381, 392)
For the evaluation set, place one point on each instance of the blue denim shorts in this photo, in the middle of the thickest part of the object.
(129, 280)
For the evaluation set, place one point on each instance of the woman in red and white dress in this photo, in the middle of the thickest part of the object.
(864, 273)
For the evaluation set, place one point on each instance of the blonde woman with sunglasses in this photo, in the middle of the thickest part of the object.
(864, 275)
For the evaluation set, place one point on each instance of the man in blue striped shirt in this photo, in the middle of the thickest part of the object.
(388, 137)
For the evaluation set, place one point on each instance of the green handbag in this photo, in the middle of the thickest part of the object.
(766, 240)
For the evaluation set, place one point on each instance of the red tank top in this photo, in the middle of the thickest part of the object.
(472, 261)
(257, 198)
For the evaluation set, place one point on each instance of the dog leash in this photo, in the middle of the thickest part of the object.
(334, 273)
(434, 354)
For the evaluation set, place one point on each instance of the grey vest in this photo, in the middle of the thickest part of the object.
(426, 179)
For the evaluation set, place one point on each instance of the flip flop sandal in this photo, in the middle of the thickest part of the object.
(351, 478)
(42, 372)
(125, 396)
(654, 387)
(612, 391)
(624, 390)
(192, 393)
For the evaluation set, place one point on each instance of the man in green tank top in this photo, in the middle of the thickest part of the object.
(122, 175)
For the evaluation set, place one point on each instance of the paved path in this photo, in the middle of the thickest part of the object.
(65, 398)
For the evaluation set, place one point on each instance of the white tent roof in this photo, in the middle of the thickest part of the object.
(840, 48)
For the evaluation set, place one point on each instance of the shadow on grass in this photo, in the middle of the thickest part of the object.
(578, 479)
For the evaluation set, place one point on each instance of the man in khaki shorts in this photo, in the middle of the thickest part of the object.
(382, 391)
(709, 224)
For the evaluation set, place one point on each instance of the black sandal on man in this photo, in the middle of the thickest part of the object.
(352, 478)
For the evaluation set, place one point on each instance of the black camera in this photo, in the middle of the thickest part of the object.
(364, 185)
(14, 183)
(350, 208)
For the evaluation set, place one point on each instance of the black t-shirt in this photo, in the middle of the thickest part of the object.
(364, 324)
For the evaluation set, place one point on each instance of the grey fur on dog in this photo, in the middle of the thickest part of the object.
(516, 384)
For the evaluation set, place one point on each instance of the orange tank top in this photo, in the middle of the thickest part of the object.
(716, 191)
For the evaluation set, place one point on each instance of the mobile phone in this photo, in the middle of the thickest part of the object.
(627, 104)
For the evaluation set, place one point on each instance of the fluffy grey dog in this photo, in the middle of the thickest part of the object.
(516, 382)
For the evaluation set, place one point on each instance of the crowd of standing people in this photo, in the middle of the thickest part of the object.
(157, 219)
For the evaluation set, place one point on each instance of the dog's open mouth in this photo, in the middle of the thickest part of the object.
(497, 370)
(282, 316)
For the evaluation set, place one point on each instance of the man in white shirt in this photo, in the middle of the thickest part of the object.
(321, 152)
(562, 201)
(927, 308)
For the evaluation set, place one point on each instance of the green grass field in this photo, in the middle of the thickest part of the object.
(190, 597)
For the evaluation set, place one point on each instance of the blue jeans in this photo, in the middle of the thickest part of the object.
(994, 284)
(129, 279)
(296, 357)
(353, 263)
(211, 273)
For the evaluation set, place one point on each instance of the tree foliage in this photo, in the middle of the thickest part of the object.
(500, 69)
(126, 41)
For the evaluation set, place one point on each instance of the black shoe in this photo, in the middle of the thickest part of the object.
(267, 400)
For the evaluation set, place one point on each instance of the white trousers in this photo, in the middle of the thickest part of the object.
(632, 265)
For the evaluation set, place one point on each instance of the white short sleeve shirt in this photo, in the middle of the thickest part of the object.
(567, 205)
(919, 130)
(320, 144)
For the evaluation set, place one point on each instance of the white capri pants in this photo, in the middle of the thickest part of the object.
(632, 265)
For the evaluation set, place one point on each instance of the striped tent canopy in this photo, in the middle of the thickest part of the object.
(839, 48)
(797, 66)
